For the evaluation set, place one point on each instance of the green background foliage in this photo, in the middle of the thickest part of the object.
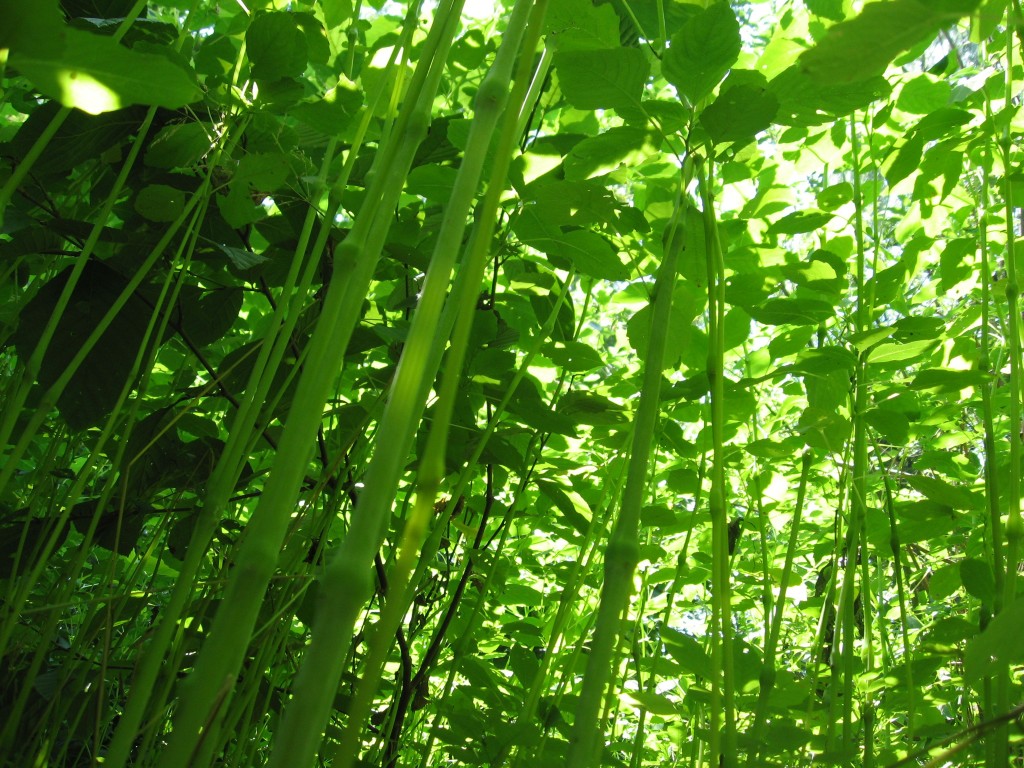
(530, 383)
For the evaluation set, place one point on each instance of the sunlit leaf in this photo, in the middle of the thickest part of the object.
(702, 51)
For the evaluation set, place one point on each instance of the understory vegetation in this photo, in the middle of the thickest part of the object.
(518, 383)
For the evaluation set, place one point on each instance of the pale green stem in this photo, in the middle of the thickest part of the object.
(623, 551)
(356, 258)
(723, 737)
(315, 685)
(1014, 530)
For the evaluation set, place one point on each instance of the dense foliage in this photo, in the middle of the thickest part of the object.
(619, 383)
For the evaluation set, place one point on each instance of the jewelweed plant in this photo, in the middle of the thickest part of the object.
(511, 383)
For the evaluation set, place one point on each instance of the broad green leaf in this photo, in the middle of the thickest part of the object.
(331, 112)
(654, 703)
(96, 74)
(942, 122)
(159, 202)
(888, 354)
(276, 46)
(894, 426)
(942, 492)
(686, 650)
(434, 182)
(37, 26)
(587, 251)
(575, 25)
(336, 12)
(825, 430)
(744, 108)
(976, 576)
(591, 408)
(572, 508)
(906, 160)
(81, 137)
(702, 51)
(997, 646)
(824, 360)
(610, 79)
(923, 94)
(834, 196)
(792, 312)
(681, 333)
(179, 145)
(96, 385)
(805, 100)
(828, 9)
(951, 265)
(799, 222)
(520, 594)
(657, 516)
(205, 316)
(863, 47)
(573, 356)
(946, 381)
(602, 153)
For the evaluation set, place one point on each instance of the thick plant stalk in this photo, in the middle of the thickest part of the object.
(222, 481)
(1014, 531)
(858, 480)
(356, 258)
(337, 609)
(623, 551)
(723, 708)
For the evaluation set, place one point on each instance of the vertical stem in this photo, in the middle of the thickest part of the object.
(723, 735)
(623, 550)
(858, 479)
(1014, 524)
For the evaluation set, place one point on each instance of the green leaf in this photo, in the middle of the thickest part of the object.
(834, 196)
(159, 202)
(686, 650)
(576, 25)
(924, 94)
(804, 100)
(602, 153)
(799, 222)
(976, 576)
(827, 9)
(863, 47)
(892, 425)
(276, 46)
(96, 74)
(742, 110)
(591, 408)
(702, 51)
(946, 381)
(941, 492)
(205, 316)
(999, 645)
(179, 145)
(611, 79)
(654, 703)
(906, 161)
(900, 354)
(587, 251)
(792, 312)
(96, 385)
(573, 356)
(434, 182)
